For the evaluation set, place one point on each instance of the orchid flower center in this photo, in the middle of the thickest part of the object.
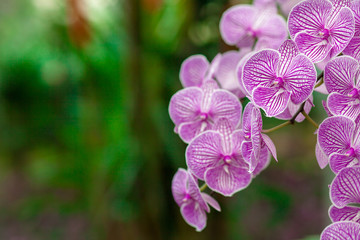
(350, 152)
(227, 159)
(204, 116)
(279, 81)
(186, 197)
(354, 93)
(325, 33)
(247, 136)
(251, 33)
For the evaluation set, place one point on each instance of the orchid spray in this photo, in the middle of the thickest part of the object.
(227, 147)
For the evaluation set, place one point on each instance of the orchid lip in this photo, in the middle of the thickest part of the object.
(186, 197)
(279, 81)
(354, 93)
(227, 159)
(350, 152)
(324, 33)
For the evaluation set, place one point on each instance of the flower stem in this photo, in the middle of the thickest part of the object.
(318, 84)
(310, 119)
(203, 187)
(277, 127)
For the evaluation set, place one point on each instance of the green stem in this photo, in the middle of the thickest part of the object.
(310, 119)
(319, 83)
(203, 187)
(277, 127)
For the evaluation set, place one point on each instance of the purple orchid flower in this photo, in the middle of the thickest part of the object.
(321, 27)
(353, 48)
(242, 25)
(273, 78)
(193, 204)
(341, 231)
(225, 73)
(194, 109)
(196, 69)
(341, 78)
(345, 190)
(339, 139)
(215, 156)
(253, 138)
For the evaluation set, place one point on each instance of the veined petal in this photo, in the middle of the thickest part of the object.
(185, 105)
(193, 70)
(246, 120)
(316, 48)
(225, 128)
(235, 22)
(341, 231)
(272, 100)
(342, 30)
(227, 179)
(347, 213)
(178, 185)
(204, 152)
(224, 104)
(264, 160)
(339, 104)
(187, 131)
(270, 145)
(211, 201)
(194, 215)
(260, 69)
(194, 191)
(237, 138)
(288, 51)
(345, 188)
(321, 157)
(309, 16)
(353, 48)
(335, 134)
(340, 3)
(340, 161)
(246, 150)
(300, 79)
(339, 74)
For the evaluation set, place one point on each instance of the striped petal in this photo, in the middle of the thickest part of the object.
(193, 70)
(288, 51)
(347, 213)
(340, 161)
(341, 231)
(272, 100)
(345, 188)
(194, 215)
(342, 105)
(335, 134)
(321, 157)
(264, 160)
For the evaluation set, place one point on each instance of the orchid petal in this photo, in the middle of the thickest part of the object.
(345, 188)
(288, 51)
(353, 48)
(272, 26)
(264, 160)
(193, 70)
(347, 213)
(272, 100)
(178, 185)
(270, 145)
(189, 130)
(227, 179)
(339, 74)
(203, 152)
(300, 79)
(321, 157)
(308, 16)
(211, 201)
(335, 134)
(260, 69)
(185, 105)
(341, 231)
(339, 104)
(194, 215)
(340, 161)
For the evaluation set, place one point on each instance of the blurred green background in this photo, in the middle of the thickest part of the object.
(87, 148)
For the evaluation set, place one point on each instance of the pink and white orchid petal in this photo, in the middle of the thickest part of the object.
(347, 213)
(288, 51)
(353, 48)
(187, 131)
(342, 30)
(179, 185)
(272, 100)
(345, 188)
(193, 71)
(204, 152)
(321, 157)
(234, 25)
(227, 179)
(272, 26)
(260, 69)
(194, 215)
(224, 104)
(309, 16)
(341, 231)
(339, 104)
(300, 79)
(339, 74)
(211, 201)
(340, 161)
(316, 48)
(270, 145)
(264, 160)
(335, 134)
(185, 105)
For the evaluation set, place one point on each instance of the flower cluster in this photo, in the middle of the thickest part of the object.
(227, 147)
